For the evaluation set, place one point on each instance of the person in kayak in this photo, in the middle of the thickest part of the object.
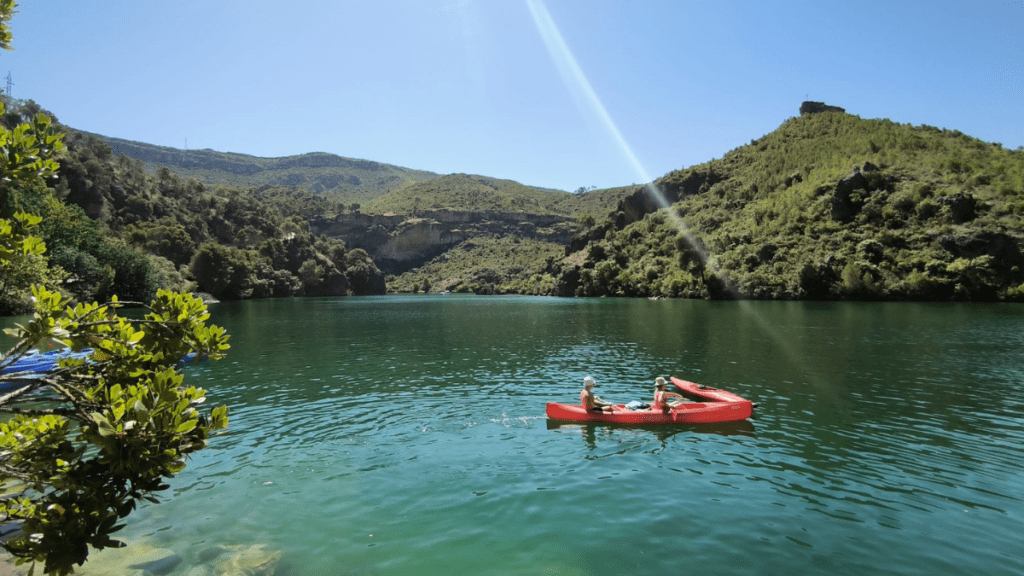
(590, 401)
(661, 398)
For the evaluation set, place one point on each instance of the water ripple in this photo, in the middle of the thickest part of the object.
(409, 438)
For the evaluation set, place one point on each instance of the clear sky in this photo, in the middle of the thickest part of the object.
(551, 93)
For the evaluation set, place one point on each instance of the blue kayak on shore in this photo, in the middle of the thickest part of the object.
(43, 362)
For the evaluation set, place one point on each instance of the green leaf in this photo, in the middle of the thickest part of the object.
(142, 413)
(105, 429)
(186, 427)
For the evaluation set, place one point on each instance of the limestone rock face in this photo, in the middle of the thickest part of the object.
(961, 207)
(853, 190)
(1004, 249)
(844, 204)
(399, 243)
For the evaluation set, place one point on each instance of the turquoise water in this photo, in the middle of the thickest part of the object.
(406, 435)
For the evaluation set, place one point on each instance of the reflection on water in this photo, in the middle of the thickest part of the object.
(406, 435)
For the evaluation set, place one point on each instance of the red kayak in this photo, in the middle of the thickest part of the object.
(716, 406)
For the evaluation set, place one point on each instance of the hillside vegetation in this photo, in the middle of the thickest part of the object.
(471, 193)
(328, 185)
(123, 220)
(828, 206)
(111, 228)
(336, 194)
(484, 265)
(466, 193)
(591, 203)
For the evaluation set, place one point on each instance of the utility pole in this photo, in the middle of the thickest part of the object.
(10, 85)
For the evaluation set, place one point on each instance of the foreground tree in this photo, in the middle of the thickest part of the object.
(82, 444)
(89, 440)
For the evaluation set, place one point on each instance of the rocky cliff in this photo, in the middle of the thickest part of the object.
(400, 243)
(810, 107)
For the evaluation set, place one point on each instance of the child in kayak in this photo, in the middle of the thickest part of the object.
(662, 399)
(590, 401)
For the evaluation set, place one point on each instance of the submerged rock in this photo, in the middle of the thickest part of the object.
(255, 560)
(159, 567)
(7, 567)
(136, 559)
(210, 554)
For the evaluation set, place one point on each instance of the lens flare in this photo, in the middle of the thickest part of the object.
(576, 81)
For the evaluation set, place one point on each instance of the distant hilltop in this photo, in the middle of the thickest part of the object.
(347, 180)
(810, 107)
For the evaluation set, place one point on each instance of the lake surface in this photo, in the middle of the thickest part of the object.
(406, 435)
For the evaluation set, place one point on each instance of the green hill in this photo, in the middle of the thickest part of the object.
(472, 193)
(144, 190)
(344, 180)
(465, 193)
(331, 181)
(828, 206)
(405, 229)
(194, 213)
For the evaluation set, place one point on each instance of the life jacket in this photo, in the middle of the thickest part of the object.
(583, 400)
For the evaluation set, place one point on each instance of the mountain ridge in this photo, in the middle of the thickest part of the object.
(346, 180)
(827, 206)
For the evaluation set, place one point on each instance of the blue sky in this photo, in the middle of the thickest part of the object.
(552, 93)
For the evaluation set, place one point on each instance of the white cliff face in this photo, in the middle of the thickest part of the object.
(418, 238)
(401, 242)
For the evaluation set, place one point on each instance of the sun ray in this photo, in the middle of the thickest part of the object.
(576, 81)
